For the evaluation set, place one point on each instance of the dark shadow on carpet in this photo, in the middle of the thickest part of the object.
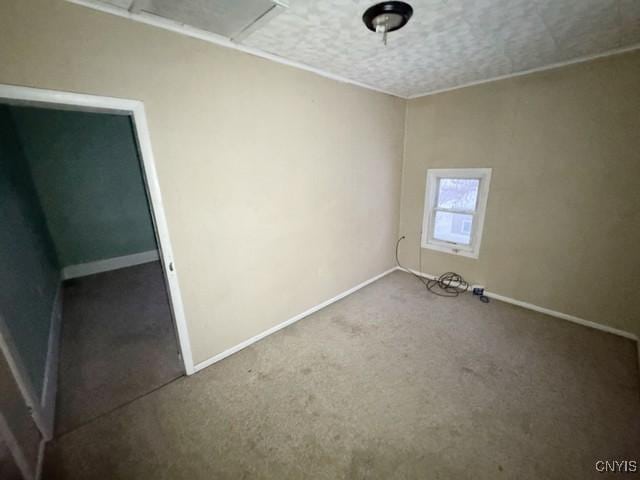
(118, 343)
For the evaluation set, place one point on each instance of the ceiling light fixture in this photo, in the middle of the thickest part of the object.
(387, 17)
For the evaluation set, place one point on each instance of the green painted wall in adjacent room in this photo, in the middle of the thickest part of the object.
(86, 170)
(29, 273)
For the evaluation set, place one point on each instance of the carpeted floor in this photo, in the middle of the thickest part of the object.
(118, 342)
(389, 383)
(8, 468)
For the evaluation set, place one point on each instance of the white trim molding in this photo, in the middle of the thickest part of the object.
(477, 214)
(18, 95)
(50, 384)
(21, 376)
(563, 316)
(108, 264)
(40, 461)
(286, 323)
(537, 308)
(16, 451)
(43, 411)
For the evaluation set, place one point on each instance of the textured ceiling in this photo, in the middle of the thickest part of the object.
(447, 43)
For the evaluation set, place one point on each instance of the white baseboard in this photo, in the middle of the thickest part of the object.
(43, 409)
(40, 462)
(286, 323)
(546, 311)
(99, 266)
(416, 272)
(18, 369)
(563, 316)
(6, 435)
(50, 385)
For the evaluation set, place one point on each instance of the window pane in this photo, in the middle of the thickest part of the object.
(453, 227)
(459, 193)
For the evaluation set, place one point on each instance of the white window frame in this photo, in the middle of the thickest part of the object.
(430, 207)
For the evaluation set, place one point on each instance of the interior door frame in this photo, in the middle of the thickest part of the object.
(28, 96)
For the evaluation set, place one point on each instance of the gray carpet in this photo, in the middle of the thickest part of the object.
(118, 342)
(389, 383)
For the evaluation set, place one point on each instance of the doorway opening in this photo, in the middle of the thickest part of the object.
(93, 317)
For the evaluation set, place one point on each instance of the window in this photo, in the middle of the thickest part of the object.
(455, 202)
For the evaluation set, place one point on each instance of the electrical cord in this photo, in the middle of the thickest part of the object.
(448, 284)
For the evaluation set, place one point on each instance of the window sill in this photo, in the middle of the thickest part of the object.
(451, 250)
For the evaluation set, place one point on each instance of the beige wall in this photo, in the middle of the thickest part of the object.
(281, 187)
(563, 219)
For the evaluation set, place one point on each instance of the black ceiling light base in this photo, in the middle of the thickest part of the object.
(397, 13)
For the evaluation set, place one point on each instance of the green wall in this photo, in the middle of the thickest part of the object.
(29, 274)
(86, 170)
(71, 192)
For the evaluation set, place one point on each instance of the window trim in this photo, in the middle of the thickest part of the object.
(431, 191)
